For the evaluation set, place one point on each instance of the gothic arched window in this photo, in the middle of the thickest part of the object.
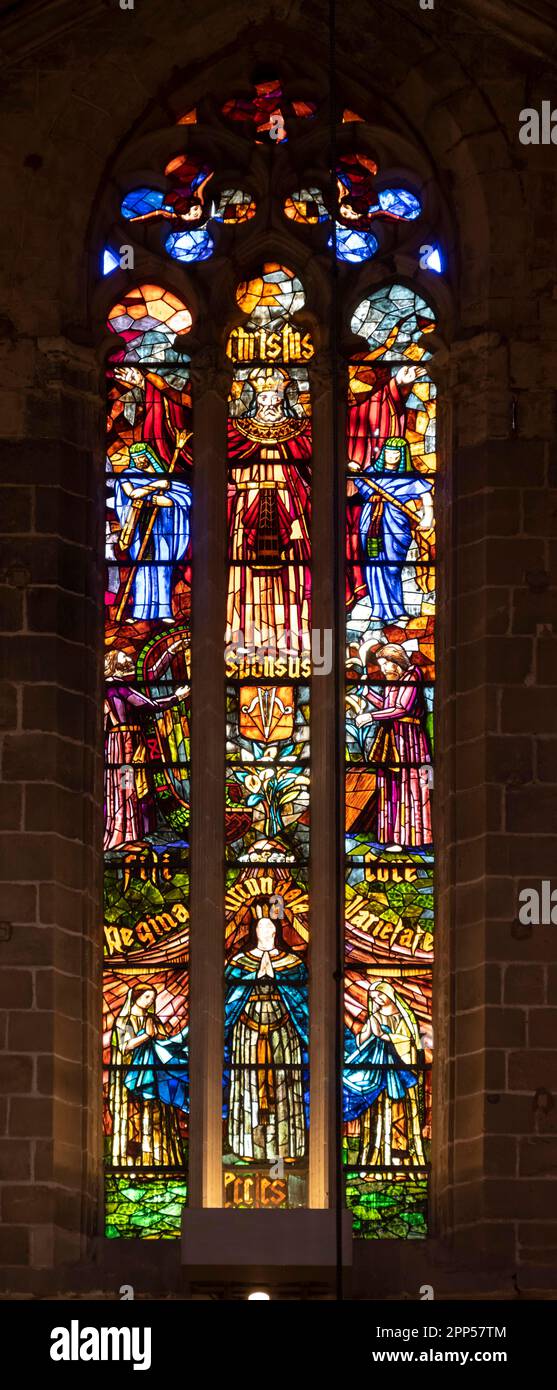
(268, 655)
(390, 620)
(222, 264)
(147, 763)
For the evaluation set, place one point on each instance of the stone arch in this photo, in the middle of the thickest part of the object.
(268, 236)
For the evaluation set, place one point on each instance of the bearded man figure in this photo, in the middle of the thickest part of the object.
(129, 804)
(269, 444)
(400, 752)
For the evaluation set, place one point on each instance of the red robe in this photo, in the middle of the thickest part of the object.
(269, 533)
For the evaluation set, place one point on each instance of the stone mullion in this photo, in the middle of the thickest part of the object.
(443, 1078)
(210, 390)
(326, 780)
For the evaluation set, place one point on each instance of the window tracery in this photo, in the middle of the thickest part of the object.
(203, 207)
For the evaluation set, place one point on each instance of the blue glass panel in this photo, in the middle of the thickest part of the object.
(110, 261)
(433, 260)
(353, 245)
(400, 203)
(141, 201)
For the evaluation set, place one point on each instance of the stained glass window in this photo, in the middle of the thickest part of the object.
(147, 766)
(266, 1081)
(266, 110)
(359, 207)
(186, 206)
(189, 211)
(390, 611)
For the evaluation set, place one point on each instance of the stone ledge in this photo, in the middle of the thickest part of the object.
(227, 1239)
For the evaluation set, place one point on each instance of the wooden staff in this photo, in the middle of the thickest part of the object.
(393, 501)
(181, 436)
(126, 534)
(406, 511)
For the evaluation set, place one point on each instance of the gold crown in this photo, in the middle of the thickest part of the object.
(267, 380)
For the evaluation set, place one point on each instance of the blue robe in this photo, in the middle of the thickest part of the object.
(384, 574)
(152, 585)
(370, 1069)
(291, 985)
(160, 1070)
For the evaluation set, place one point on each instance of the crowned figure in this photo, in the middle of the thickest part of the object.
(269, 443)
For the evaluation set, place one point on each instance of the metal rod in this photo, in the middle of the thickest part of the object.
(338, 565)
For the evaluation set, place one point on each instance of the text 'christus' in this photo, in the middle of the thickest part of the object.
(75, 1343)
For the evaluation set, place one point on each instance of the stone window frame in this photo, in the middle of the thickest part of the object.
(208, 291)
